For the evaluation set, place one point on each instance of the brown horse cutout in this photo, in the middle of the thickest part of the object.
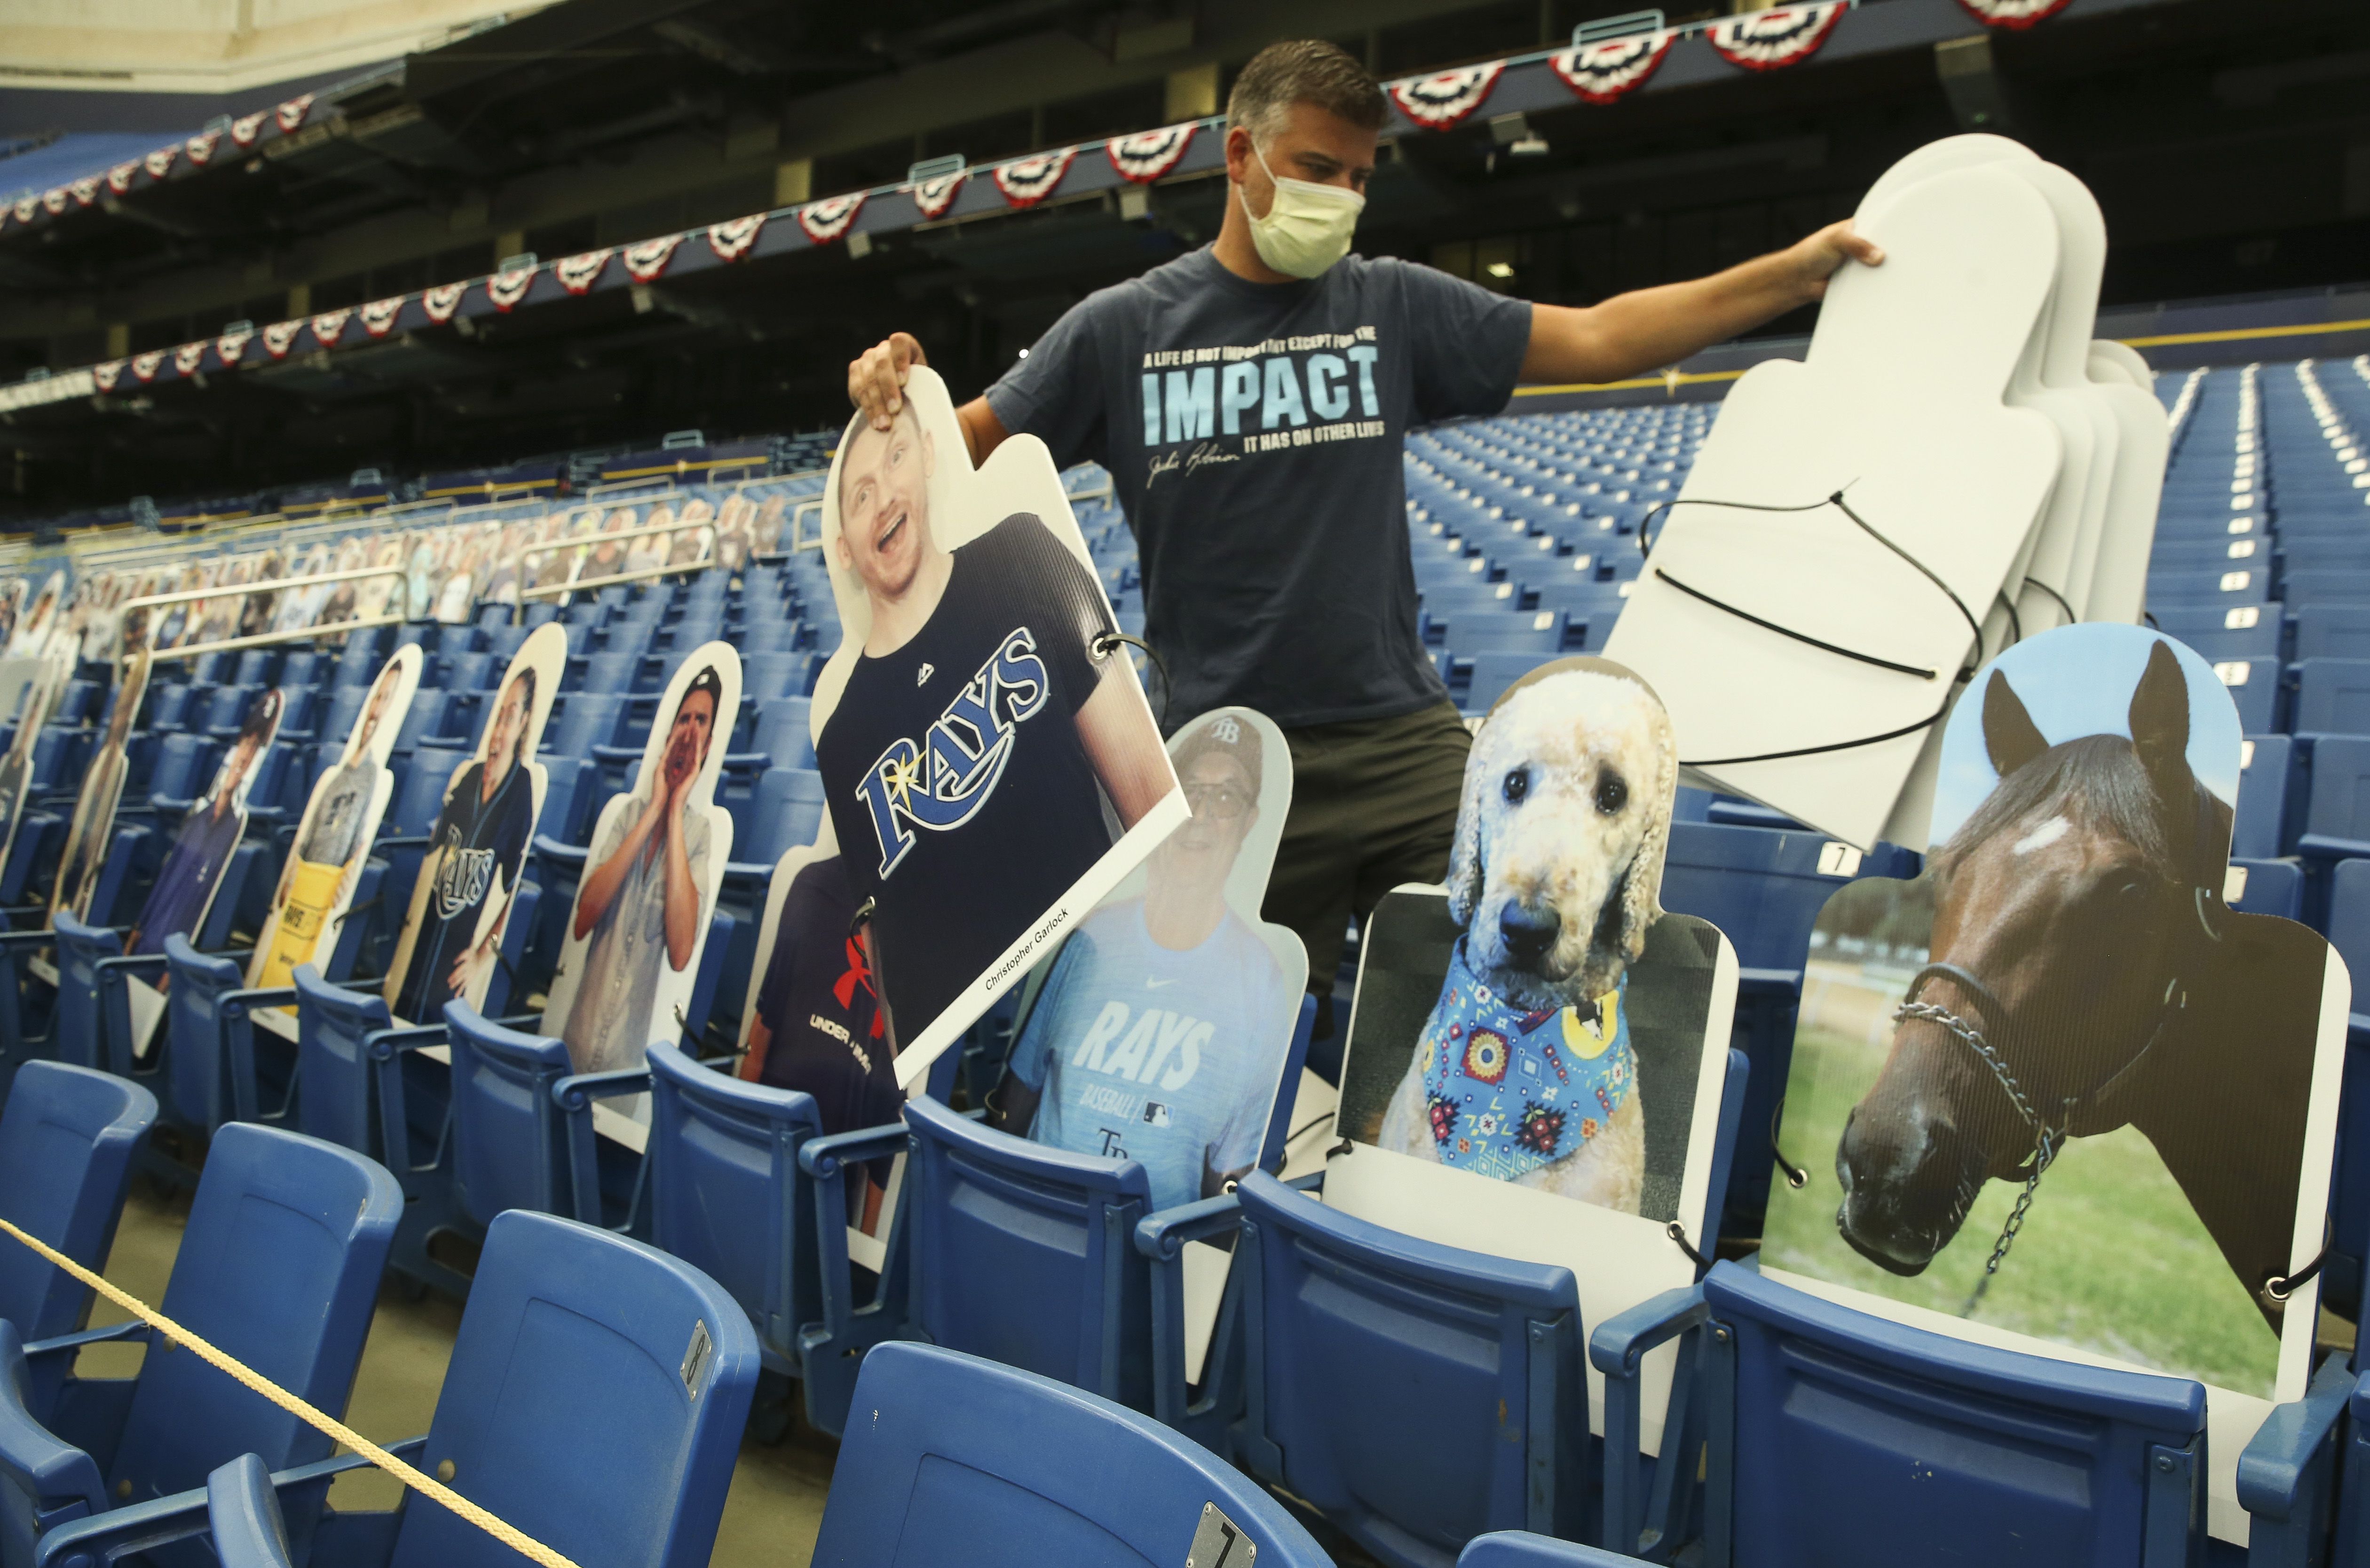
(2086, 975)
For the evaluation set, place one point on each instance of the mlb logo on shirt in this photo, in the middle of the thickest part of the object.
(1155, 1114)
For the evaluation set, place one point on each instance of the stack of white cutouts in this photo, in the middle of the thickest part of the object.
(2004, 470)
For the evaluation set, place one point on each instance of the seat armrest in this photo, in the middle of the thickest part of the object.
(403, 842)
(619, 754)
(1618, 1349)
(747, 762)
(2286, 1472)
(131, 964)
(826, 1158)
(570, 855)
(111, 1333)
(62, 1481)
(386, 1044)
(578, 1091)
(1163, 1235)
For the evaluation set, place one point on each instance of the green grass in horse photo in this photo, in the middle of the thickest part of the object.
(2112, 1259)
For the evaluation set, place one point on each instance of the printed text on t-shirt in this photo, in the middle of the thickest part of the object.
(1278, 394)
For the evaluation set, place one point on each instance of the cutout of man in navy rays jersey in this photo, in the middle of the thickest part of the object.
(968, 755)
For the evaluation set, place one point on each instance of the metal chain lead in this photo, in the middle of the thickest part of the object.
(2044, 1141)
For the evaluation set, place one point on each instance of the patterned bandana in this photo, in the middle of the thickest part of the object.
(1508, 1091)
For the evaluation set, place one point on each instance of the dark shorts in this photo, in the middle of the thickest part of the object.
(1374, 804)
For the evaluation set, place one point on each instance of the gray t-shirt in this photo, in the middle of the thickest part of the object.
(1253, 435)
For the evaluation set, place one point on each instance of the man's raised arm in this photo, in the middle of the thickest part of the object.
(1632, 334)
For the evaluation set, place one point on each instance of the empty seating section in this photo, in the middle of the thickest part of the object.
(716, 1223)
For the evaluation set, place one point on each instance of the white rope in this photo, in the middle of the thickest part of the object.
(175, 1335)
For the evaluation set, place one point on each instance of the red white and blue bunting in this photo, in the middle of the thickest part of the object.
(1027, 181)
(232, 346)
(1780, 37)
(200, 147)
(1438, 102)
(160, 162)
(53, 200)
(507, 288)
(104, 377)
(330, 325)
(86, 190)
(730, 241)
(646, 261)
(291, 115)
(577, 274)
(440, 302)
(933, 198)
(189, 357)
(1146, 155)
(826, 220)
(281, 337)
(119, 178)
(379, 316)
(2014, 15)
(1611, 70)
(26, 207)
(145, 366)
(247, 127)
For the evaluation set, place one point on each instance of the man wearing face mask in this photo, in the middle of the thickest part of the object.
(1251, 400)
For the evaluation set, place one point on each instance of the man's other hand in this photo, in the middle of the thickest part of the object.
(876, 378)
(1819, 257)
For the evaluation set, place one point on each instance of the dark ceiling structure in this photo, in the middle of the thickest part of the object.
(2229, 143)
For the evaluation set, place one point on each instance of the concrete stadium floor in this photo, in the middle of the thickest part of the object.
(770, 1516)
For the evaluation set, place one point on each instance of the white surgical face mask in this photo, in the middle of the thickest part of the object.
(1307, 226)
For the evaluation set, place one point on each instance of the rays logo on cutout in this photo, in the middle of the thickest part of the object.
(379, 316)
(464, 877)
(1767, 41)
(119, 178)
(291, 115)
(942, 784)
(281, 337)
(189, 357)
(932, 198)
(440, 301)
(1027, 181)
(160, 162)
(506, 289)
(330, 325)
(826, 220)
(2014, 15)
(730, 241)
(577, 274)
(1610, 71)
(104, 377)
(645, 261)
(246, 127)
(1440, 101)
(1146, 155)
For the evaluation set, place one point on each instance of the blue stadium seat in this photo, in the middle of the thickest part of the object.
(2337, 810)
(67, 1140)
(2272, 785)
(610, 673)
(1349, 1323)
(1765, 891)
(473, 672)
(2254, 688)
(209, 1046)
(434, 712)
(2348, 929)
(1493, 672)
(780, 736)
(972, 1464)
(1814, 1407)
(2332, 631)
(1520, 1549)
(279, 1266)
(570, 1408)
(2333, 696)
(766, 676)
(585, 719)
(787, 811)
(2268, 888)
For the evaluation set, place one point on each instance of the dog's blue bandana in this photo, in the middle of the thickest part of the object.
(1508, 1092)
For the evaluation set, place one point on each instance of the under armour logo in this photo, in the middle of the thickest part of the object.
(922, 676)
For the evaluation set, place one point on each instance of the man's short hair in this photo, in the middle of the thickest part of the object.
(1306, 71)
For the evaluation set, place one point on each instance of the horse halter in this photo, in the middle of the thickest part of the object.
(2049, 1130)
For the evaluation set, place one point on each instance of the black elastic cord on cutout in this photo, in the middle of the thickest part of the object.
(1678, 1232)
(1645, 549)
(1106, 643)
(2070, 617)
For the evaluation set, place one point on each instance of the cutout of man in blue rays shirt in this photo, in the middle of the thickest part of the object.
(1162, 1031)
